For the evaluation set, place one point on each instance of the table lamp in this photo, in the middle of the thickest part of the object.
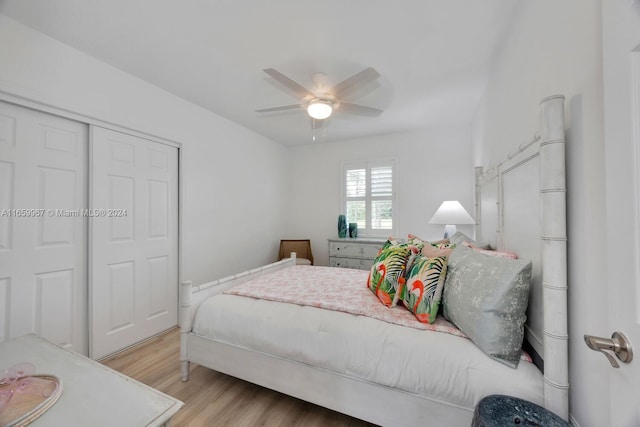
(451, 213)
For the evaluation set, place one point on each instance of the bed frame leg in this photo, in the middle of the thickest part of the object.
(184, 370)
(184, 320)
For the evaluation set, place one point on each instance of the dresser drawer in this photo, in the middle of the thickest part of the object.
(357, 263)
(354, 249)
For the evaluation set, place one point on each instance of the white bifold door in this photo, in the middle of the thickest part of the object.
(43, 242)
(133, 227)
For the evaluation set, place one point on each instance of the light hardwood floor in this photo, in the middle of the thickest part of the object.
(215, 399)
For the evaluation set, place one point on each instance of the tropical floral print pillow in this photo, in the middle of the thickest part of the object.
(416, 241)
(423, 287)
(387, 273)
(443, 244)
(431, 251)
(440, 244)
(391, 241)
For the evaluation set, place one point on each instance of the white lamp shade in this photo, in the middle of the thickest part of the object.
(319, 110)
(451, 212)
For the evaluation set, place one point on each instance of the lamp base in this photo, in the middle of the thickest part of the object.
(449, 230)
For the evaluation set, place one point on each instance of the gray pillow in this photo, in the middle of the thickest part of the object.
(458, 238)
(486, 297)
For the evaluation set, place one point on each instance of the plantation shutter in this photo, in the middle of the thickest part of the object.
(356, 192)
(382, 198)
(368, 196)
(382, 181)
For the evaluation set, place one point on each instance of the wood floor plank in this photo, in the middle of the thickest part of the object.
(213, 399)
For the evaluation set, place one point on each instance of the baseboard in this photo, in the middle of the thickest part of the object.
(573, 421)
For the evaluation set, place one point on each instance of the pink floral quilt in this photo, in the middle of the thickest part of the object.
(338, 289)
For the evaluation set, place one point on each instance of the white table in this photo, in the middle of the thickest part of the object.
(93, 394)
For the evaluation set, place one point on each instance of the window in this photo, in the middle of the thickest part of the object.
(369, 196)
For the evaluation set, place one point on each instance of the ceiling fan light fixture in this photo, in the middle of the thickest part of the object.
(319, 109)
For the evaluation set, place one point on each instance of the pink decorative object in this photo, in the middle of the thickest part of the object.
(25, 396)
(14, 380)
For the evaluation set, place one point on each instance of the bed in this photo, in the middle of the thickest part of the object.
(383, 370)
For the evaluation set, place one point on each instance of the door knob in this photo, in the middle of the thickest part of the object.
(618, 344)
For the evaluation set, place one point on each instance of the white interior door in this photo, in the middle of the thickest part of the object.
(134, 240)
(621, 54)
(43, 233)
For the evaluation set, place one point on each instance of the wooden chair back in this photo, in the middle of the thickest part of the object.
(302, 248)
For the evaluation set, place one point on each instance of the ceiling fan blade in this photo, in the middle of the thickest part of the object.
(281, 108)
(296, 87)
(363, 110)
(347, 86)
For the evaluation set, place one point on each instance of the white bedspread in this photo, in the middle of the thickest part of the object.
(441, 366)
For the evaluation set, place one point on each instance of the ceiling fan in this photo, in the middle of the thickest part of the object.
(324, 101)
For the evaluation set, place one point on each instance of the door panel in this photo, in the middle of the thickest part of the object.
(121, 194)
(7, 184)
(134, 286)
(54, 300)
(56, 187)
(621, 46)
(43, 262)
(159, 268)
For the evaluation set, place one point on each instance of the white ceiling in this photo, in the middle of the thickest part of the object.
(433, 55)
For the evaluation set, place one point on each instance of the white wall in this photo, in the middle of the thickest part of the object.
(233, 179)
(236, 183)
(432, 166)
(555, 48)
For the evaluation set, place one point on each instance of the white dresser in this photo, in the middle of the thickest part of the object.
(356, 253)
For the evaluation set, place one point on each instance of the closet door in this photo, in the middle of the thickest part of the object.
(43, 244)
(134, 240)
